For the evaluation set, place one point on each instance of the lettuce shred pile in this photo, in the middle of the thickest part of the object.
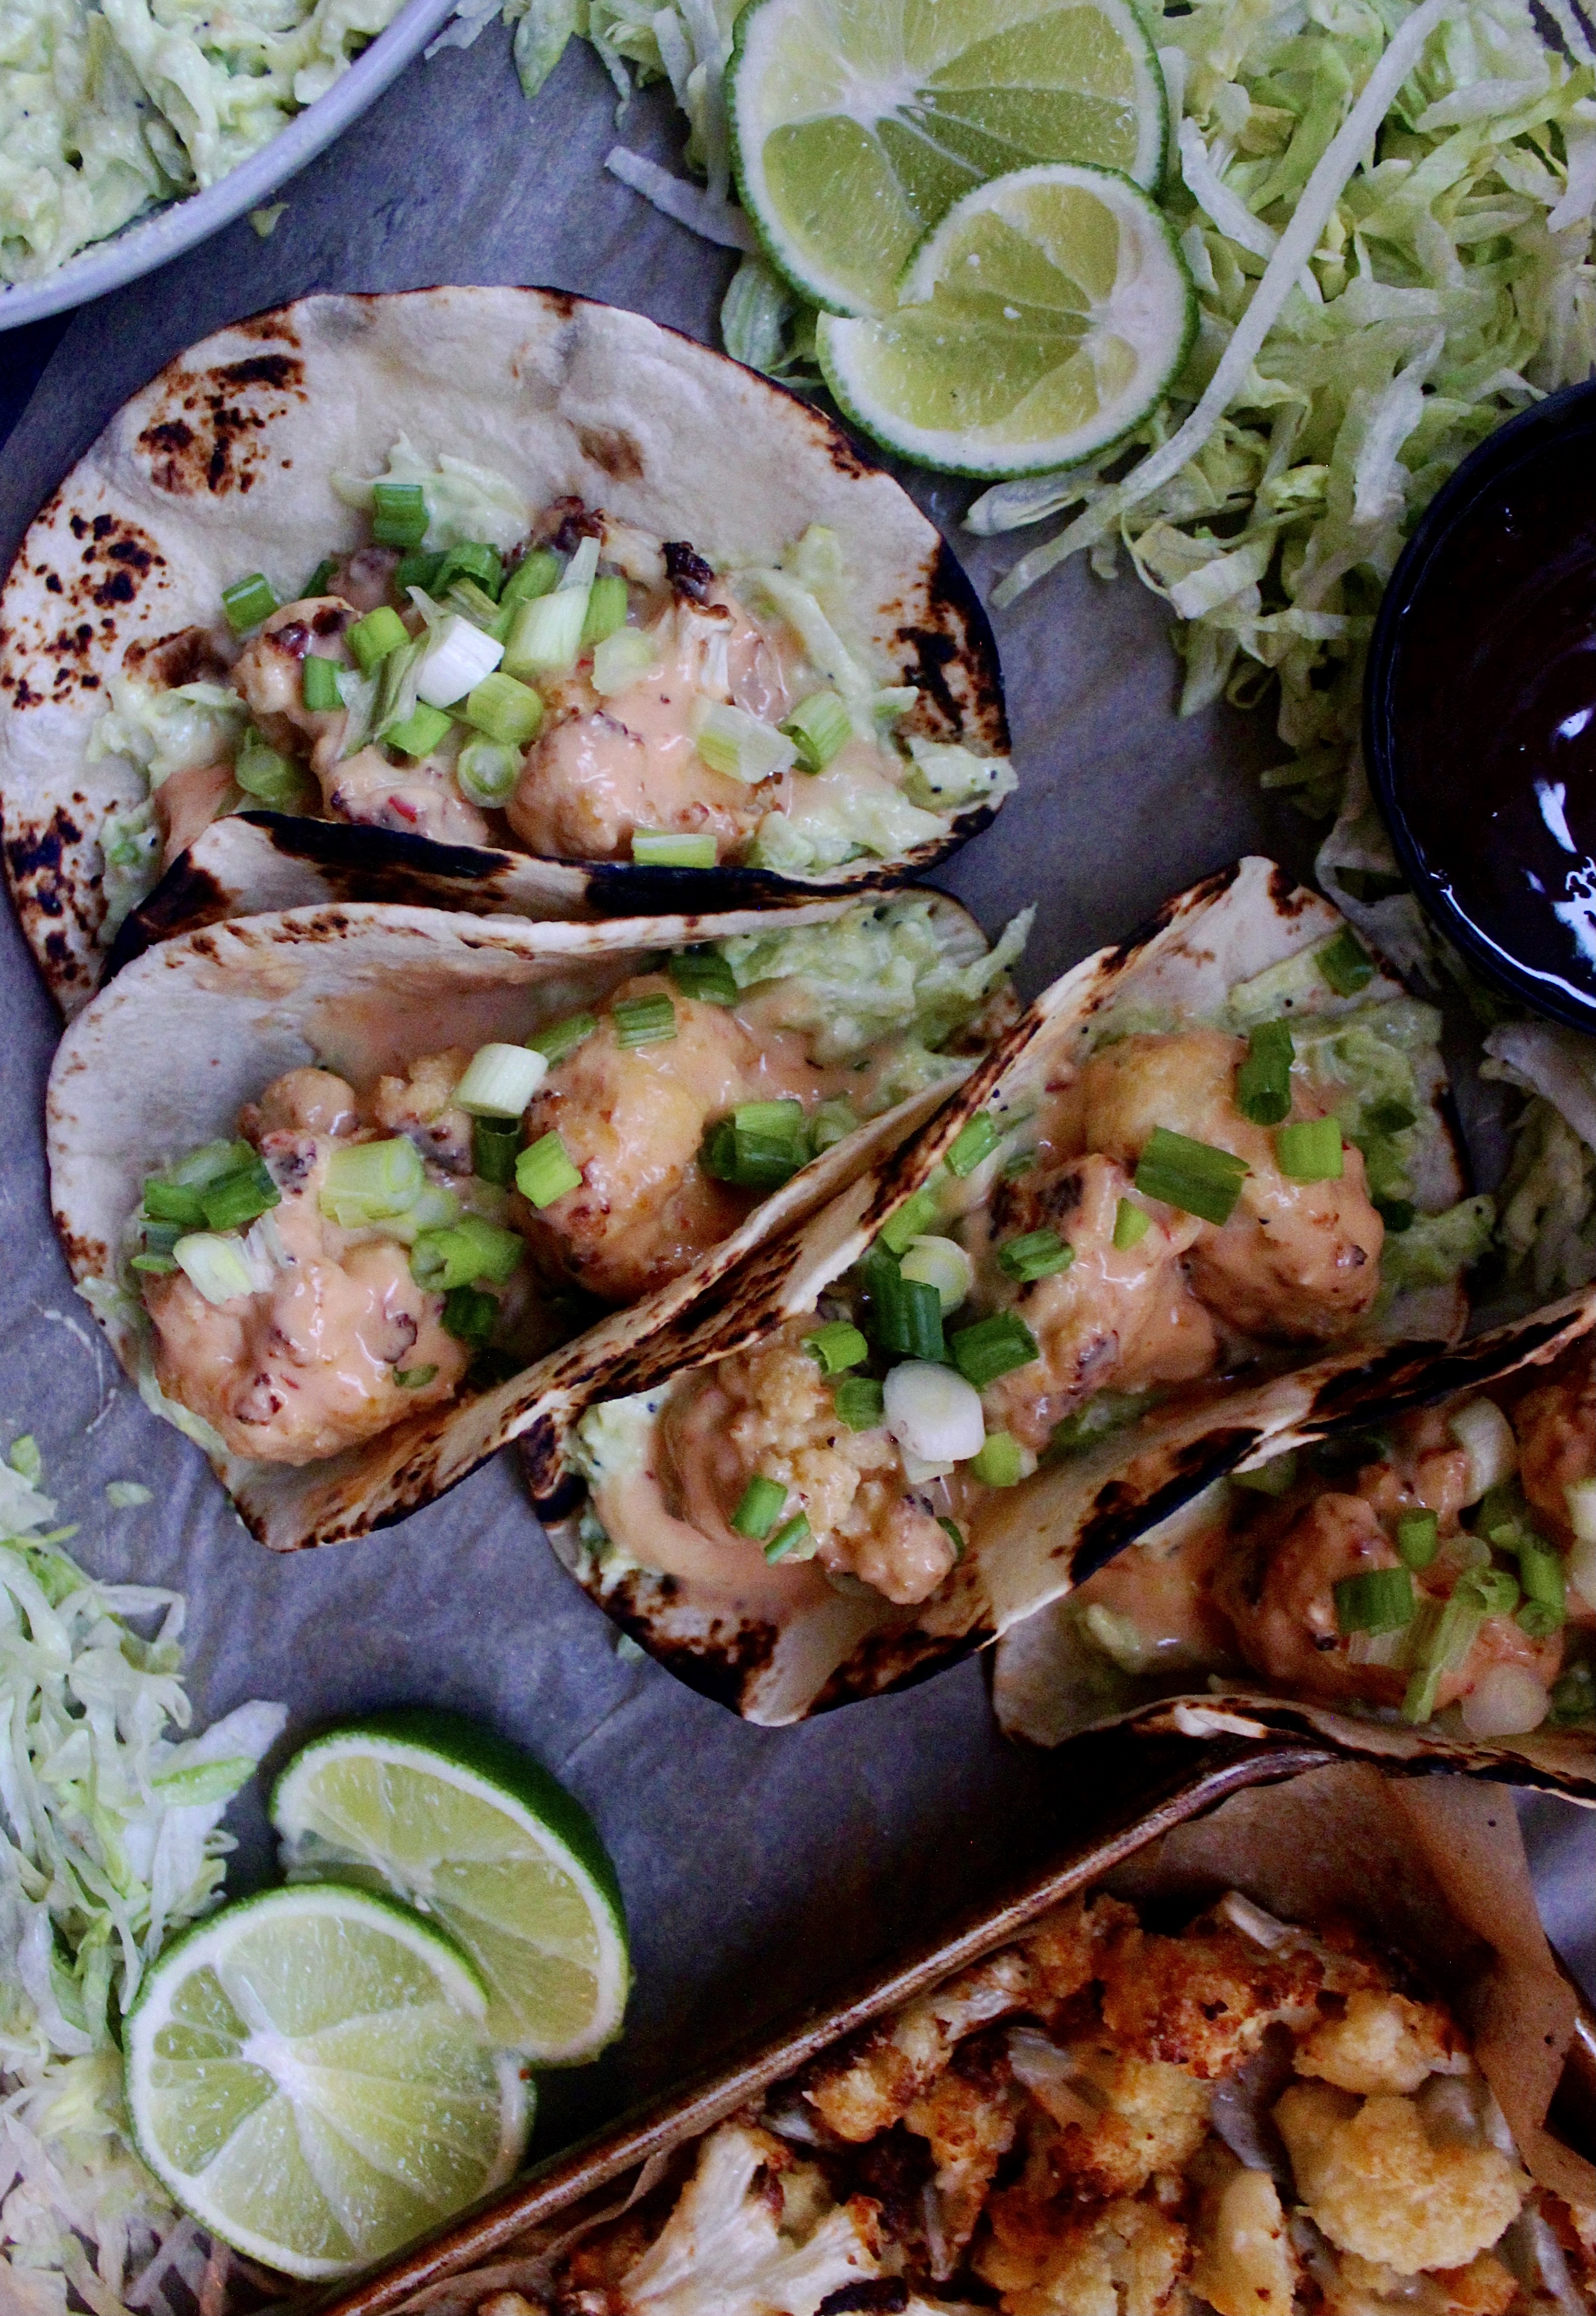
(110, 1840)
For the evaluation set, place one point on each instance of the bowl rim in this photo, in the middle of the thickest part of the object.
(1522, 438)
(177, 226)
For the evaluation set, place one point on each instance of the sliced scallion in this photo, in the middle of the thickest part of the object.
(319, 684)
(544, 1171)
(1132, 1225)
(1263, 1080)
(216, 1266)
(458, 659)
(238, 1199)
(248, 601)
(607, 610)
(942, 1263)
(472, 1249)
(622, 659)
(419, 568)
(1417, 1538)
(372, 638)
(1346, 964)
(818, 727)
(760, 1146)
(793, 1540)
(562, 1038)
(1191, 1175)
(500, 1080)
(488, 772)
(1310, 1150)
(534, 574)
(398, 515)
(369, 1183)
(953, 1533)
(319, 579)
(1374, 1600)
(832, 1123)
(913, 1216)
(759, 1507)
(704, 973)
(494, 1144)
(470, 1314)
(905, 1313)
(657, 848)
(860, 1403)
(545, 636)
(1000, 1462)
(1270, 1479)
(262, 771)
(472, 559)
(475, 604)
(976, 1139)
(838, 1346)
(993, 1347)
(414, 1378)
(1389, 1117)
(505, 710)
(1036, 1255)
(644, 1020)
(732, 741)
(422, 730)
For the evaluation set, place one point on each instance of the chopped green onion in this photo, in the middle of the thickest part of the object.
(470, 1314)
(789, 1540)
(561, 1039)
(1037, 1255)
(644, 1021)
(1445, 1637)
(818, 727)
(759, 1507)
(704, 973)
(1375, 1600)
(506, 711)
(472, 559)
(398, 515)
(466, 597)
(906, 1315)
(1132, 1225)
(1389, 1117)
(1540, 1572)
(260, 771)
(1540, 1620)
(546, 634)
(1417, 1538)
(1263, 1080)
(237, 1199)
(422, 730)
(369, 1182)
(859, 1402)
(976, 1139)
(372, 638)
(832, 1123)
(1104, 1412)
(495, 1143)
(1574, 1697)
(216, 1266)
(419, 568)
(607, 610)
(942, 1263)
(1310, 1150)
(173, 1202)
(1191, 1175)
(319, 684)
(1270, 1479)
(442, 1259)
(913, 1216)
(319, 579)
(544, 1171)
(1396, 1213)
(248, 601)
(730, 740)
(160, 1265)
(1346, 964)
(534, 574)
(760, 1146)
(1020, 1163)
(993, 1347)
(500, 1080)
(837, 1345)
(657, 848)
(622, 659)
(414, 1378)
(953, 1534)
(1000, 1462)
(1492, 1590)
(455, 659)
(488, 772)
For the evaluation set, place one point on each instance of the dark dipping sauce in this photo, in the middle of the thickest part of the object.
(1482, 709)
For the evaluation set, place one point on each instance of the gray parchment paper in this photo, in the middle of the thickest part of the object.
(759, 1867)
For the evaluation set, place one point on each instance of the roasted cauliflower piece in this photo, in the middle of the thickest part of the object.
(1384, 2043)
(1203, 2002)
(1376, 2184)
(1124, 2259)
(871, 2089)
(1147, 2117)
(969, 2118)
(1245, 2265)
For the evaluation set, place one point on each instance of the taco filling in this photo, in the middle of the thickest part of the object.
(1180, 1203)
(1441, 1570)
(552, 681)
(358, 1252)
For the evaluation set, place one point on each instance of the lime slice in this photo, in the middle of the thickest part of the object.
(1042, 319)
(856, 126)
(309, 2073)
(473, 1832)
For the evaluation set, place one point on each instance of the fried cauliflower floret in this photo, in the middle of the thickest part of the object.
(1203, 2002)
(1124, 2259)
(871, 2087)
(1485, 2287)
(1063, 1949)
(1384, 2043)
(1151, 2117)
(969, 2119)
(1245, 2266)
(420, 1104)
(1376, 2185)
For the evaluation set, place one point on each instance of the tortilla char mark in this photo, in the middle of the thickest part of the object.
(209, 432)
(69, 599)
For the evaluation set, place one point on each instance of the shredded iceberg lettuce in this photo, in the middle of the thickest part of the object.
(1548, 1200)
(112, 1822)
(464, 501)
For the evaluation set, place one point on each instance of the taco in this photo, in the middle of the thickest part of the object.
(1204, 1177)
(352, 1190)
(1417, 1581)
(494, 586)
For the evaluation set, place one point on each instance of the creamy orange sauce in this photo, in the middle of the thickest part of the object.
(631, 1506)
(187, 802)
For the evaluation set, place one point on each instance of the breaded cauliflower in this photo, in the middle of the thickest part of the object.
(869, 2087)
(1152, 2117)
(1122, 2259)
(969, 2116)
(1376, 2185)
(1203, 2002)
(1246, 2265)
(1384, 2043)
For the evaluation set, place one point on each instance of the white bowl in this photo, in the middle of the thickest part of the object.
(166, 232)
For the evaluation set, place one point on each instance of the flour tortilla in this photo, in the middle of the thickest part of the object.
(223, 466)
(1036, 1540)
(167, 1055)
(1042, 1688)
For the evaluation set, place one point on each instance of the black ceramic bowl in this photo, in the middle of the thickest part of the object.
(1480, 707)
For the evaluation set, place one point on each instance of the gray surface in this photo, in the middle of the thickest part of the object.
(758, 1867)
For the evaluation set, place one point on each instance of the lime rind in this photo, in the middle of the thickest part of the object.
(1157, 307)
(924, 143)
(359, 2119)
(482, 1769)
